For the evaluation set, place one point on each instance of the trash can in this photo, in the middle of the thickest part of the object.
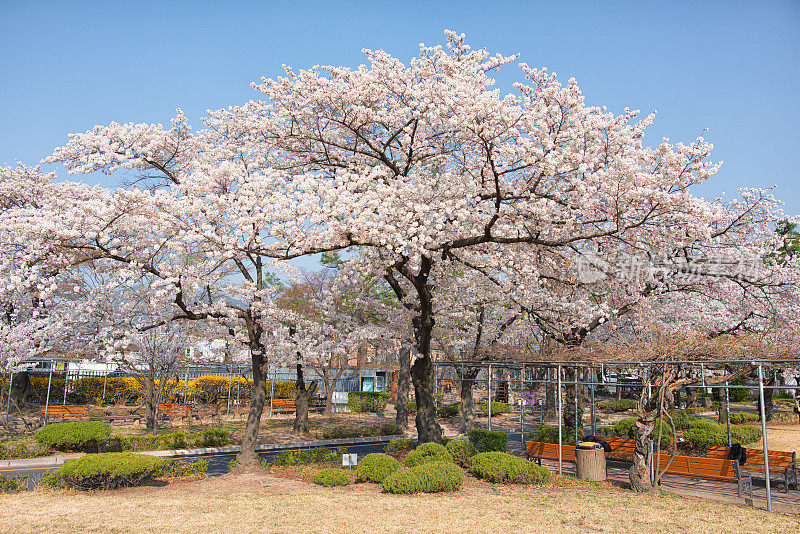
(590, 461)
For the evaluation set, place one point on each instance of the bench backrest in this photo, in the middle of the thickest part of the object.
(283, 402)
(549, 451)
(699, 467)
(70, 409)
(754, 456)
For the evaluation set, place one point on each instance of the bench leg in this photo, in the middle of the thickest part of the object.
(745, 486)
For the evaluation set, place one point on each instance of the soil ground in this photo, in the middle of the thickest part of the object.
(278, 501)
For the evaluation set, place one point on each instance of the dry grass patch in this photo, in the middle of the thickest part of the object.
(780, 437)
(264, 502)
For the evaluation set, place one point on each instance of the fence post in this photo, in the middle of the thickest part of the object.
(272, 391)
(490, 397)
(521, 403)
(66, 374)
(728, 412)
(230, 381)
(105, 379)
(238, 385)
(591, 392)
(764, 436)
(558, 395)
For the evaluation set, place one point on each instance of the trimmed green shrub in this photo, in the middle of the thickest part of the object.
(449, 410)
(317, 455)
(428, 452)
(621, 405)
(375, 467)
(498, 408)
(738, 394)
(110, 470)
(12, 484)
(412, 406)
(332, 477)
(681, 419)
(502, 467)
(487, 440)
(461, 450)
(183, 469)
(386, 429)
(431, 477)
(738, 418)
(74, 436)
(400, 444)
(367, 401)
(707, 432)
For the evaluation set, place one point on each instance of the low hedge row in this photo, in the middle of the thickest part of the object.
(498, 408)
(400, 444)
(504, 468)
(449, 410)
(430, 477)
(317, 455)
(367, 401)
(342, 432)
(737, 418)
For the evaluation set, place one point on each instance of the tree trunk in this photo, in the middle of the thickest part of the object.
(692, 396)
(403, 387)
(640, 470)
(466, 411)
(247, 456)
(150, 405)
(428, 429)
(301, 402)
(20, 388)
(722, 416)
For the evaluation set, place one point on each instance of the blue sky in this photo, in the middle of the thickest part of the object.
(732, 68)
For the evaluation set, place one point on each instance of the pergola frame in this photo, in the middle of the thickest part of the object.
(642, 367)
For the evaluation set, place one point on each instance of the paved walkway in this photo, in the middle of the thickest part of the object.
(705, 489)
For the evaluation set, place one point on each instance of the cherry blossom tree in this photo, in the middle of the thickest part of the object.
(417, 166)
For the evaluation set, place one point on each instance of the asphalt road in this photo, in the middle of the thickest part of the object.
(217, 463)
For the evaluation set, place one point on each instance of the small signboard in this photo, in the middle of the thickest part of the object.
(349, 460)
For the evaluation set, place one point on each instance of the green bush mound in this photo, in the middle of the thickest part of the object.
(431, 477)
(708, 432)
(428, 452)
(82, 436)
(400, 444)
(737, 418)
(461, 450)
(498, 408)
(504, 468)
(11, 484)
(375, 467)
(486, 440)
(317, 455)
(367, 401)
(412, 406)
(332, 477)
(622, 405)
(343, 432)
(449, 410)
(110, 470)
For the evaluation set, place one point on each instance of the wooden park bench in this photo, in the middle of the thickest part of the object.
(70, 411)
(709, 469)
(549, 451)
(780, 462)
(621, 447)
(283, 405)
(176, 410)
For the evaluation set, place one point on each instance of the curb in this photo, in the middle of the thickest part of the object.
(276, 446)
(57, 461)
